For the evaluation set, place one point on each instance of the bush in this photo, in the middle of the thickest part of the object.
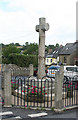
(21, 60)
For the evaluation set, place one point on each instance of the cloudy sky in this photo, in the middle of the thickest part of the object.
(18, 19)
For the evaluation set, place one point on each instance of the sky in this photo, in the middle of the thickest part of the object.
(18, 19)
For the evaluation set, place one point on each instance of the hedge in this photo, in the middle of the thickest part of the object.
(21, 60)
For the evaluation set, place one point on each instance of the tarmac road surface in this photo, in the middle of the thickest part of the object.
(48, 114)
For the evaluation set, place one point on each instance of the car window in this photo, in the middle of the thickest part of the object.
(75, 69)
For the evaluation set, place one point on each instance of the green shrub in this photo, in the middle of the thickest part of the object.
(21, 60)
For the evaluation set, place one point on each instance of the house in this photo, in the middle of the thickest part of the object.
(69, 54)
(53, 58)
(49, 60)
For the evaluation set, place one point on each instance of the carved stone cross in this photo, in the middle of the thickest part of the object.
(41, 28)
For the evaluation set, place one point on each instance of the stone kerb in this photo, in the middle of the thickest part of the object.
(58, 89)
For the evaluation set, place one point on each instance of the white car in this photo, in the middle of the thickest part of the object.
(71, 71)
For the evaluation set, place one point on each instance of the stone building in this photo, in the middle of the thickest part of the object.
(69, 54)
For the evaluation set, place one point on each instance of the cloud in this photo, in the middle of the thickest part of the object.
(19, 18)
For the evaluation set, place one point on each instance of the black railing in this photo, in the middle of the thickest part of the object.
(70, 91)
(32, 92)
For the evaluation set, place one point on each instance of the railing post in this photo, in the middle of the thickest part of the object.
(7, 89)
(58, 89)
(31, 70)
(77, 96)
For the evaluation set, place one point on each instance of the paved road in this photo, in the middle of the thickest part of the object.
(24, 114)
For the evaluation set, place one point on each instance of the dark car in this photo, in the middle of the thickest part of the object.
(36, 72)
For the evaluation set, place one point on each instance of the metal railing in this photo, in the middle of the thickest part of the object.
(70, 91)
(32, 92)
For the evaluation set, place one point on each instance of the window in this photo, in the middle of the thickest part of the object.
(51, 60)
(65, 59)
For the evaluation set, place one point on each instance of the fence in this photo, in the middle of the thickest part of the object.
(70, 88)
(44, 93)
(32, 92)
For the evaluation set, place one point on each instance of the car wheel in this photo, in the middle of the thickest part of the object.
(66, 79)
(75, 78)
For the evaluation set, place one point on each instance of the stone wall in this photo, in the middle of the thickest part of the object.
(16, 70)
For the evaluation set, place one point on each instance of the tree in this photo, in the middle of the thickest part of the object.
(31, 48)
(51, 47)
(26, 44)
(17, 44)
(11, 44)
(9, 49)
(57, 45)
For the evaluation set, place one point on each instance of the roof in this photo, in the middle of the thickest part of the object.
(69, 48)
(55, 53)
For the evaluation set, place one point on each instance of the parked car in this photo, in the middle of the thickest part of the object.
(71, 71)
(52, 70)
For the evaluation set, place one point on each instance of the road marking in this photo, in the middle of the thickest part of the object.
(17, 117)
(6, 113)
(38, 115)
(9, 115)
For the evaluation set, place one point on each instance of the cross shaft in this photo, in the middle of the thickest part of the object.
(41, 28)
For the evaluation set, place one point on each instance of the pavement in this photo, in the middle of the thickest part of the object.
(28, 114)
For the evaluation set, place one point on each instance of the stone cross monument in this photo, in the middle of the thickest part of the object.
(41, 28)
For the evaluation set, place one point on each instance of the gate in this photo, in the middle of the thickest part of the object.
(70, 91)
(33, 92)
